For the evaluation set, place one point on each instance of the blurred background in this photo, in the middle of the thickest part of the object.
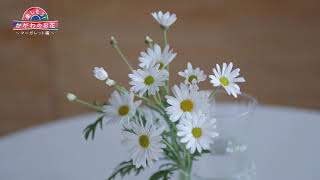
(275, 43)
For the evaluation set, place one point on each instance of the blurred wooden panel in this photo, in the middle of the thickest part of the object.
(24, 75)
(275, 43)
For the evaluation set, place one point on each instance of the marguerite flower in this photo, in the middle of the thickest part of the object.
(165, 20)
(144, 143)
(184, 103)
(227, 78)
(154, 57)
(197, 132)
(148, 80)
(121, 107)
(193, 76)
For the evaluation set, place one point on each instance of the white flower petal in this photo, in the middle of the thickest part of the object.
(100, 73)
(231, 76)
(144, 155)
(193, 142)
(165, 19)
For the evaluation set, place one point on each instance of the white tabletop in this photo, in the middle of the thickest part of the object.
(286, 148)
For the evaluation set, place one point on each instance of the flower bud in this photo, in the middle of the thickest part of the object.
(148, 40)
(71, 97)
(113, 41)
(100, 73)
(110, 82)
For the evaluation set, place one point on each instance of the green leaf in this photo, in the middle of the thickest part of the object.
(168, 165)
(197, 154)
(125, 168)
(91, 128)
(162, 175)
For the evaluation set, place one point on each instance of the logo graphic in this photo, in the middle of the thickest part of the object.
(35, 18)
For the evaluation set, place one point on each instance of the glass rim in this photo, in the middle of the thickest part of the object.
(252, 101)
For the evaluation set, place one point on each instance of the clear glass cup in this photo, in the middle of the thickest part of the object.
(230, 157)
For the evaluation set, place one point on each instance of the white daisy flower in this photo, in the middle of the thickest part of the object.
(184, 103)
(148, 80)
(193, 76)
(227, 78)
(121, 107)
(144, 143)
(164, 19)
(197, 132)
(154, 57)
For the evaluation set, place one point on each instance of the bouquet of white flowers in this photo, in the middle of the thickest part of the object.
(176, 127)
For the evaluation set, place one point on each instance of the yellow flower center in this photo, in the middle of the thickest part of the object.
(123, 110)
(186, 105)
(161, 65)
(149, 80)
(224, 81)
(196, 132)
(144, 141)
(192, 77)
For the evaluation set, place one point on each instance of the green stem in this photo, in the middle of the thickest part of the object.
(159, 101)
(173, 150)
(185, 175)
(167, 119)
(165, 37)
(143, 98)
(185, 172)
(120, 88)
(159, 97)
(171, 124)
(147, 103)
(165, 42)
(123, 57)
(167, 87)
(89, 105)
(189, 164)
(213, 93)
